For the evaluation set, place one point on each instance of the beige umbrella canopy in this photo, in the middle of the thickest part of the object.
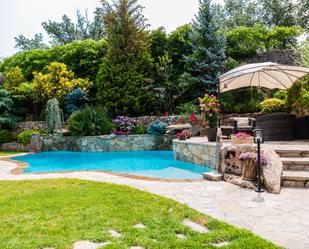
(268, 75)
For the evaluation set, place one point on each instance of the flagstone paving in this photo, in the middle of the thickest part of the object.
(281, 218)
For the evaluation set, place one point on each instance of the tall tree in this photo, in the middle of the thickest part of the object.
(23, 43)
(241, 13)
(123, 80)
(303, 13)
(208, 56)
(279, 12)
(66, 31)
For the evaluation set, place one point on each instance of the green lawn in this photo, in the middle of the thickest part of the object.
(56, 213)
(9, 153)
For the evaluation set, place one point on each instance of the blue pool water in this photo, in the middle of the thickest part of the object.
(156, 164)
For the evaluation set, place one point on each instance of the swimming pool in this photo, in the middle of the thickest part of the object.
(154, 164)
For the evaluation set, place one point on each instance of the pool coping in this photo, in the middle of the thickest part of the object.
(21, 166)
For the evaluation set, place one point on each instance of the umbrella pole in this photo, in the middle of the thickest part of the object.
(218, 96)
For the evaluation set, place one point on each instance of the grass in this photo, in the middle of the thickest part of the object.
(9, 153)
(56, 213)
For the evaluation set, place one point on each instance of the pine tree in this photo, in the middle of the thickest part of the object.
(208, 56)
(7, 119)
(123, 80)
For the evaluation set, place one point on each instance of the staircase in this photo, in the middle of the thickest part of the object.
(295, 168)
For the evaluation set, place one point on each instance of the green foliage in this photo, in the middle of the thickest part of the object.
(281, 94)
(26, 136)
(123, 80)
(91, 121)
(14, 77)
(57, 82)
(304, 52)
(139, 129)
(243, 101)
(24, 43)
(244, 42)
(54, 116)
(7, 119)
(82, 57)
(208, 56)
(298, 96)
(5, 136)
(273, 105)
(157, 128)
(187, 108)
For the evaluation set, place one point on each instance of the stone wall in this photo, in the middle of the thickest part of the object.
(281, 56)
(31, 125)
(14, 147)
(110, 143)
(197, 153)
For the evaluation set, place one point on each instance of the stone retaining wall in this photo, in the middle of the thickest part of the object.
(196, 152)
(31, 125)
(109, 143)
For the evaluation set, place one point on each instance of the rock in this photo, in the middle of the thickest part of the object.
(230, 162)
(114, 233)
(213, 176)
(272, 172)
(88, 245)
(237, 180)
(195, 226)
(181, 236)
(174, 129)
(139, 226)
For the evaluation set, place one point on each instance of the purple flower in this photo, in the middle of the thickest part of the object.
(1, 79)
(125, 124)
(253, 156)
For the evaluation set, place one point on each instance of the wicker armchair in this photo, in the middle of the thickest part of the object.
(243, 124)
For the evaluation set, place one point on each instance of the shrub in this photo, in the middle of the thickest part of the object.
(25, 136)
(7, 119)
(139, 129)
(298, 96)
(273, 105)
(281, 94)
(53, 116)
(75, 101)
(156, 128)
(5, 136)
(125, 124)
(186, 108)
(91, 121)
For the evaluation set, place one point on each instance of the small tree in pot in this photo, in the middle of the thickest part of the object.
(210, 109)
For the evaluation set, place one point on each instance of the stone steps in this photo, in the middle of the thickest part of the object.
(295, 179)
(294, 163)
(295, 167)
(293, 153)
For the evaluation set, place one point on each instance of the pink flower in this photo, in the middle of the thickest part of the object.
(202, 105)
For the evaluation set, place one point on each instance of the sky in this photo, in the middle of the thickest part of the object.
(25, 16)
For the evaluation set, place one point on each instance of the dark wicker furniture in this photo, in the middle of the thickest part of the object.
(277, 127)
(243, 124)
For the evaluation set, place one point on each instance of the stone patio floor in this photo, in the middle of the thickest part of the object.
(283, 219)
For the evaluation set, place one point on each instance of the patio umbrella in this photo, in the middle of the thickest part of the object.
(268, 75)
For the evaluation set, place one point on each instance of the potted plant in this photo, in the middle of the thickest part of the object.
(242, 138)
(210, 110)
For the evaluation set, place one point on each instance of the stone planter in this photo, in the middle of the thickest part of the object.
(249, 170)
(241, 140)
(211, 134)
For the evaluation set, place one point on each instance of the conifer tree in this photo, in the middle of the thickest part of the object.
(123, 80)
(208, 56)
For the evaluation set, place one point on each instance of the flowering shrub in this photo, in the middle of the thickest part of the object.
(210, 108)
(124, 124)
(193, 119)
(242, 135)
(183, 134)
(252, 156)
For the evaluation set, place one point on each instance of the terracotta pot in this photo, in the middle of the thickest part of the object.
(249, 170)
(211, 134)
